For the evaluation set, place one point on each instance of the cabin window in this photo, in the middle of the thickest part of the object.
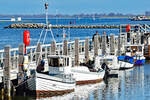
(109, 60)
(54, 62)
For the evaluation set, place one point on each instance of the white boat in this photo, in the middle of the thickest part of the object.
(112, 62)
(57, 81)
(19, 19)
(125, 65)
(84, 76)
(12, 19)
(137, 52)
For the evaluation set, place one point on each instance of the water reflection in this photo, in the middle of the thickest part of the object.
(133, 84)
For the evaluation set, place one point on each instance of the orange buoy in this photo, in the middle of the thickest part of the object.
(128, 27)
(26, 39)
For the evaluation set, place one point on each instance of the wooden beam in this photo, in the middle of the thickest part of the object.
(65, 47)
(7, 68)
(87, 50)
(53, 48)
(76, 52)
(38, 53)
(20, 62)
(96, 45)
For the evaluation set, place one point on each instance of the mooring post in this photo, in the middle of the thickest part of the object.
(120, 29)
(7, 67)
(112, 44)
(53, 48)
(104, 44)
(65, 47)
(14, 60)
(87, 50)
(119, 46)
(96, 45)
(31, 56)
(38, 54)
(2, 60)
(45, 52)
(20, 61)
(76, 52)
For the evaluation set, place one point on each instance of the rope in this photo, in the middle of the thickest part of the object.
(20, 84)
(42, 43)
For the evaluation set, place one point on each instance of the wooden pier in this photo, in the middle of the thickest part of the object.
(81, 51)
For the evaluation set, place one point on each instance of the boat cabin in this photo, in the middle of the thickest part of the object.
(59, 64)
(58, 61)
(132, 50)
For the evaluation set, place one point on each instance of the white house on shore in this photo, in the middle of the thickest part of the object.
(19, 19)
(13, 19)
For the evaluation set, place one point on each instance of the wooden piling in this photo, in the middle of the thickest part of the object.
(14, 60)
(31, 56)
(65, 47)
(20, 61)
(87, 50)
(38, 54)
(2, 60)
(96, 45)
(112, 44)
(120, 28)
(103, 44)
(46, 53)
(7, 67)
(76, 52)
(119, 46)
(53, 48)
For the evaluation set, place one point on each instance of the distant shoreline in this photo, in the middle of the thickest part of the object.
(4, 19)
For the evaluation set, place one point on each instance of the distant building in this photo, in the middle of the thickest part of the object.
(147, 13)
(13, 19)
(19, 19)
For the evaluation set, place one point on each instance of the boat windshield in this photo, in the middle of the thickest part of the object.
(58, 61)
(107, 61)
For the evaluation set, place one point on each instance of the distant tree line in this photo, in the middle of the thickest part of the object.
(82, 15)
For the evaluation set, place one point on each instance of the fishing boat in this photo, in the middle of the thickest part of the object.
(112, 62)
(57, 81)
(140, 18)
(136, 51)
(126, 62)
(139, 59)
(84, 76)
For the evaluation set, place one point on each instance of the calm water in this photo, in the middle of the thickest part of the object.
(14, 37)
(133, 84)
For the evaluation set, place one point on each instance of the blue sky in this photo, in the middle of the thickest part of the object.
(74, 6)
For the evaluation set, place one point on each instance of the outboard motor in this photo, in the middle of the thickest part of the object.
(104, 66)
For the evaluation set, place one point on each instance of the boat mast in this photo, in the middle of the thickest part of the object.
(48, 26)
(46, 11)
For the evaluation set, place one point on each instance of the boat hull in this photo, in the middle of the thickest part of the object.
(47, 86)
(125, 65)
(86, 77)
(140, 62)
